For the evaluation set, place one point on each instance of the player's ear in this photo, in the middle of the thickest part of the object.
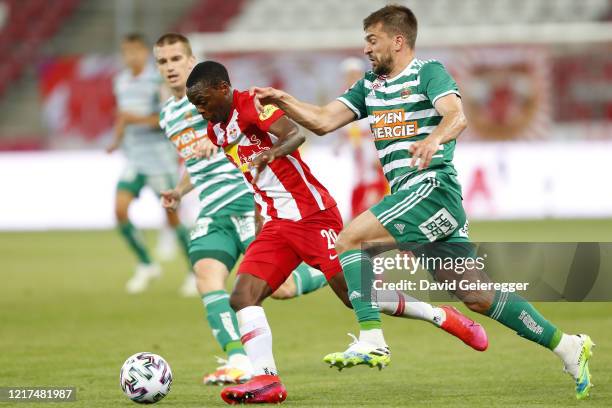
(398, 42)
(191, 60)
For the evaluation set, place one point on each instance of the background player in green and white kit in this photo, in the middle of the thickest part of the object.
(151, 160)
(416, 114)
(226, 223)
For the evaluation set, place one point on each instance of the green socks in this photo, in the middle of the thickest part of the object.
(307, 279)
(368, 314)
(182, 234)
(516, 313)
(222, 321)
(135, 242)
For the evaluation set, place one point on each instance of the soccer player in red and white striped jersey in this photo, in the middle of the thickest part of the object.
(301, 218)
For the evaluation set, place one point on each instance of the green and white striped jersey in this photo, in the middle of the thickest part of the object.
(400, 111)
(146, 148)
(219, 183)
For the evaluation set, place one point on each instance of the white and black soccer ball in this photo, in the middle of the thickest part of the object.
(145, 378)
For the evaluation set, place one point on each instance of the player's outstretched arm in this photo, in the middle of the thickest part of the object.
(318, 119)
(289, 139)
(452, 124)
(146, 120)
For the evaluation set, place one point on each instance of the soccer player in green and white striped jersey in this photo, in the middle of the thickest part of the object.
(415, 113)
(151, 160)
(226, 223)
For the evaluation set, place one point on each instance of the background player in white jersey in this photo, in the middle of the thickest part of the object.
(416, 114)
(226, 223)
(151, 160)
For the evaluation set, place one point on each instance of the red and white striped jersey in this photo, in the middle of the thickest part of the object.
(286, 189)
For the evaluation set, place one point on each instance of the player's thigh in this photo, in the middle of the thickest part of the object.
(365, 228)
(214, 238)
(314, 239)
(287, 290)
(270, 257)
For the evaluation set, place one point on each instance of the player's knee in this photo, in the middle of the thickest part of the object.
(346, 242)
(283, 293)
(121, 213)
(240, 299)
(210, 275)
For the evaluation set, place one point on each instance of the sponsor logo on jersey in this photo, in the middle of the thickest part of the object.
(406, 92)
(390, 124)
(399, 227)
(184, 142)
(267, 112)
(439, 225)
(243, 152)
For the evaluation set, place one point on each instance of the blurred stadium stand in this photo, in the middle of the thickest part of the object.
(70, 27)
(577, 35)
(301, 15)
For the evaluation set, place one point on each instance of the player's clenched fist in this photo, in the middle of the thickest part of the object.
(260, 162)
(170, 199)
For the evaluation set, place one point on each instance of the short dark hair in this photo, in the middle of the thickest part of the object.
(395, 19)
(136, 37)
(173, 38)
(208, 73)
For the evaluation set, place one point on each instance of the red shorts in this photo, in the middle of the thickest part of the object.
(283, 244)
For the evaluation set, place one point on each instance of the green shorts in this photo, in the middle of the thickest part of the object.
(430, 210)
(222, 238)
(133, 181)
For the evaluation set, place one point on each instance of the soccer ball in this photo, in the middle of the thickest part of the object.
(145, 378)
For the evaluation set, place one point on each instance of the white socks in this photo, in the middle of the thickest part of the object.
(567, 350)
(256, 338)
(241, 362)
(373, 336)
(396, 303)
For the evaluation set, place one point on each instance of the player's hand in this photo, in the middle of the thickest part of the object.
(170, 199)
(260, 162)
(265, 96)
(113, 146)
(422, 152)
(204, 148)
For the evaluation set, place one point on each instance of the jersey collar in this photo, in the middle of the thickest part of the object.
(404, 71)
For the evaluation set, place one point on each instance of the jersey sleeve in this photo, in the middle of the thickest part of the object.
(354, 99)
(162, 120)
(264, 119)
(436, 82)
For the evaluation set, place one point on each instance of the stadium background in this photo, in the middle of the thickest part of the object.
(536, 79)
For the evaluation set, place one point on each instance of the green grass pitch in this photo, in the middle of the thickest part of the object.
(66, 321)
